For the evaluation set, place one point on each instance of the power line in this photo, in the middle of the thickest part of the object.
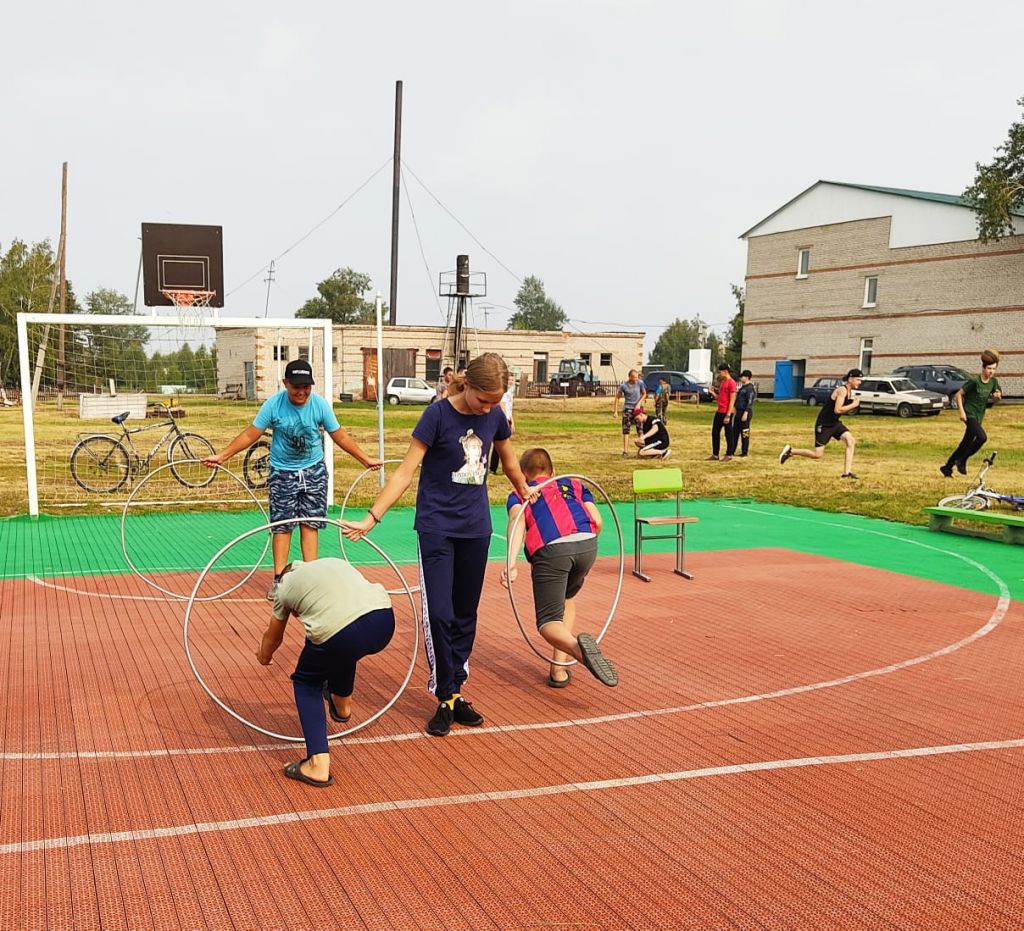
(463, 225)
(426, 265)
(311, 231)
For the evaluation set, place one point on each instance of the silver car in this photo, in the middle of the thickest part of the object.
(896, 394)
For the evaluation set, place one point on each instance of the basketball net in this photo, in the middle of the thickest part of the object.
(190, 306)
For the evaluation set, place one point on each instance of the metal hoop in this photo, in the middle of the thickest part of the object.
(341, 516)
(622, 565)
(167, 591)
(292, 739)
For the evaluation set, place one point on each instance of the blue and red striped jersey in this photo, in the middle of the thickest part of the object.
(558, 512)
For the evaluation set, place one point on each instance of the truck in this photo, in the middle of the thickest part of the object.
(575, 379)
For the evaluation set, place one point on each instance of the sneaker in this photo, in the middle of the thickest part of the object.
(946, 470)
(666, 454)
(787, 451)
(465, 714)
(712, 458)
(961, 466)
(625, 455)
(726, 458)
(849, 475)
(272, 591)
(441, 723)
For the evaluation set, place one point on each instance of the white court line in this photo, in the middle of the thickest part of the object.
(348, 811)
(1002, 606)
(165, 599)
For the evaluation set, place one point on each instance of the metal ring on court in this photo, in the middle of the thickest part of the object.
(166, 591)
(622, 566)
(341, 516)
(299, 739)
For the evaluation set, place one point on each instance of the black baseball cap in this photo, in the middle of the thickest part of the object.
(299, 372)
(854, 373)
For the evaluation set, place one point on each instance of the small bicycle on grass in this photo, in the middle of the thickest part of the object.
(103, 463)
(979, 496)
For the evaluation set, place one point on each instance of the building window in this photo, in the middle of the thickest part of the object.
(585, 358)
(871, 291)
(304, 353)
(866, 349)
(280, 353)
(606, 358)
(803, 263)
(433, 369)
(540, 368)
(334, 353)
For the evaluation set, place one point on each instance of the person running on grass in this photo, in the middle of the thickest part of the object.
(653, 440)
(560, 529)
(972, 401)
(453, 522)
(345, 618)
(297, 484)
(830, 426)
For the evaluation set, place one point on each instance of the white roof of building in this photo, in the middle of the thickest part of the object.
(918, 217)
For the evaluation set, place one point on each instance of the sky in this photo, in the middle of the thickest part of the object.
(615, 149)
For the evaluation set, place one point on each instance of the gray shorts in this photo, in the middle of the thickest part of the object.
(558, 573)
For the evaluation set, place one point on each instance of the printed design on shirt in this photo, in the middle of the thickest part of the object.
(298, 442)
(473, 470)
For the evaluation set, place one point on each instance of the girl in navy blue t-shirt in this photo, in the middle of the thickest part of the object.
(452, 441)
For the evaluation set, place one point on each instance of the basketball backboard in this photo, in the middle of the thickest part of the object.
(182, 257)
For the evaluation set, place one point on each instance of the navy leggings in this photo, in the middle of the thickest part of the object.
(451, 580)
(334, 662)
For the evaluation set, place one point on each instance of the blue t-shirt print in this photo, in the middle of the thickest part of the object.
(452, 496)
(296, 443)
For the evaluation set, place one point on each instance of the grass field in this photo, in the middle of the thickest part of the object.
(897, 460)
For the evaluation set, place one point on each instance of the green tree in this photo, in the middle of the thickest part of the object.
(672, 350)
(733, 350)
(997, 194)
(534, 309)
(25, 272)
(340, 299)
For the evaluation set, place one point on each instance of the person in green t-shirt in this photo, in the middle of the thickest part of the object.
(972, 400)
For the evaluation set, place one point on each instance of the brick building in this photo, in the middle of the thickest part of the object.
(848, 275)
(256, 357)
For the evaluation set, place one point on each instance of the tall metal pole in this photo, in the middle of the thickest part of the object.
(396, 180)
(380, 387)
(269, 280)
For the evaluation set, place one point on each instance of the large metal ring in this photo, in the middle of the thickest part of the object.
(622, 565)
(177, 595)
(341, 516)
(285, 737)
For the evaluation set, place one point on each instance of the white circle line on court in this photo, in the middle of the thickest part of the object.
(396, 805)
(165, 599)
(998, 613)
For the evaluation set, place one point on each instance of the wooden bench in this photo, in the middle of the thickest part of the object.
(659, 482)
(1012, 524)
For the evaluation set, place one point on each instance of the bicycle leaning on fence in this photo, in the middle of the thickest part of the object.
(979, 496)
(104, 464)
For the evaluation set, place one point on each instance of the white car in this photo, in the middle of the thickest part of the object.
(406, 390)
(897, 394)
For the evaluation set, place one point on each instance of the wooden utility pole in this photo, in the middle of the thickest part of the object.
(62, 250)
(396, 180)
(55, 279)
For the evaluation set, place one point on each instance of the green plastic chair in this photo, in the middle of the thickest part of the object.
(661, 482)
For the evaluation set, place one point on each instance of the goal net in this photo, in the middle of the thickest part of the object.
(109, 400)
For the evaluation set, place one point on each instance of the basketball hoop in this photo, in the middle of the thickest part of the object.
(190, 306)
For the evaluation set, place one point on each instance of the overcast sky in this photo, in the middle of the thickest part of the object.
(613, 148)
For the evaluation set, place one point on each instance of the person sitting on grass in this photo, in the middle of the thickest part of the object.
(829, 425)
(345, 618)
(653, 439)
(560, 531)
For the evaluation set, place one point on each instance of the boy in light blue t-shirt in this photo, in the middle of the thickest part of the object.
(297, 484)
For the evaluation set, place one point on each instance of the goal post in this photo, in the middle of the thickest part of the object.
(208, 377)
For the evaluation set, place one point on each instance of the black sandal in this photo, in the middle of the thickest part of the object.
(560, 683)
(293, 771)
(332, 709)
(596, 661)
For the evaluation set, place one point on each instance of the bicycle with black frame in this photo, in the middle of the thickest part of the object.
(104, 464)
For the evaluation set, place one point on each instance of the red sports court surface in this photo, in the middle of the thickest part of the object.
(796, 742)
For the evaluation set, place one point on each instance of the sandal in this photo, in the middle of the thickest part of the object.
(596, 661)
(332, 709)
(560, 683)
(293, 771)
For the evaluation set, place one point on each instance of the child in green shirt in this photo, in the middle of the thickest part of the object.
(972, 400)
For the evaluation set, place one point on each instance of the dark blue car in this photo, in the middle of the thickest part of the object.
(678, 382)
(820, 391)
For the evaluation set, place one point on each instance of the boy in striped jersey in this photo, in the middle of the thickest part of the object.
(560, 530)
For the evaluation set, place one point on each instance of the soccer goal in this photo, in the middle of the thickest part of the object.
(109, 399)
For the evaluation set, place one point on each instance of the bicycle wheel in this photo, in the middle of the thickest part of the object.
(191, 446)
(256, 468)
(100, 464)
(965, 502)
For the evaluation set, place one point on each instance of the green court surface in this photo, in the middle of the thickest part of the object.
(91, 545)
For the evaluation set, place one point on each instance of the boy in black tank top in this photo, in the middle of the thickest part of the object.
(830, 426)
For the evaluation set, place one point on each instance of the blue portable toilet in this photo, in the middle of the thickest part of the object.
(784, 386)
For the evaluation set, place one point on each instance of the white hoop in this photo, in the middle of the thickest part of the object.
(622, 565)
(167, 591)
(292, 739)
(341, 516)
